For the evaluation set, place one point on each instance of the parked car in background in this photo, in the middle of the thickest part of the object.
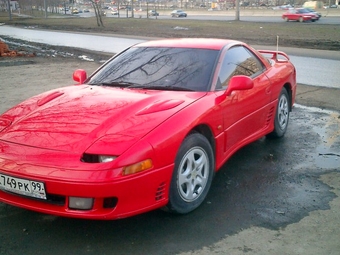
(299, 14)
(114, 12)
(283, 7)
(153, 13)
(178, 13)
(148, 129)
(64, 9)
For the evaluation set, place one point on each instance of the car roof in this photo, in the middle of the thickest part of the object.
(198, 43)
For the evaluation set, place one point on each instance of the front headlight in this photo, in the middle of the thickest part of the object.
(94, 158)
(106, 159)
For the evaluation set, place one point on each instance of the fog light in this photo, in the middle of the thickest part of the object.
(80, 203)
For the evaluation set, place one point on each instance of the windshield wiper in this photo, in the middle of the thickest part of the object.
(116, 84)
(155, 87)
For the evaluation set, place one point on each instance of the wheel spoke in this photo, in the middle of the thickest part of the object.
(283, 112)
(193, 174)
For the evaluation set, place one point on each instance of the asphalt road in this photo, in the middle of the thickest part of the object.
(252, 15)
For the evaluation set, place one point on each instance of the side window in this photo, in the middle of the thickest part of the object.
(238, 61)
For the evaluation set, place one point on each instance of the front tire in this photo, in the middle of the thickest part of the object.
(192, 175)
(281, 116)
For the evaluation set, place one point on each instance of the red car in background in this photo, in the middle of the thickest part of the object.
(299, 14)
(147, 130)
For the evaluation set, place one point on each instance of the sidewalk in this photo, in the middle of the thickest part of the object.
(320, 97)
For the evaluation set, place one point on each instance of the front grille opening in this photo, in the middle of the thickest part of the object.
(56, 199)
(110, 202)
(50, 198)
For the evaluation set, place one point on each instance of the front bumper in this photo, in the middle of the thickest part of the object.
(114, 196)
(112, 200)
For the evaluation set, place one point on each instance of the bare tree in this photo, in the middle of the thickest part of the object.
(98, 12)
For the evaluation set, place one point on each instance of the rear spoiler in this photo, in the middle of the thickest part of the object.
(275, 55)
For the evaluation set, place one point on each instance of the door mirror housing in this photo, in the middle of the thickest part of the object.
(80, 76)
(239, 82)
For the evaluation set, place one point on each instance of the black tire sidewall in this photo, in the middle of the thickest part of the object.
(278, 131)
(176, 203)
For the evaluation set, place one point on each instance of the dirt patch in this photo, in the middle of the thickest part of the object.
(47, 51)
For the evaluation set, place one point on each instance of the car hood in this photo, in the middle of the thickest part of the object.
(73, 118)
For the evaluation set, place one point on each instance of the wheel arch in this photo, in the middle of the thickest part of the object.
(207, 133)
(178, 203)
(289, 89)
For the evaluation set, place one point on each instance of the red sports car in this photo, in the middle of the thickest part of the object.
(147, 130)
(300, 14)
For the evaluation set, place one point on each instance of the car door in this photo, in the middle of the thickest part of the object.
(292, 15)
(295, 15)
(245, 111)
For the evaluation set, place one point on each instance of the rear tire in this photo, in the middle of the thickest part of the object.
(192, 175)
(300, 19)
(281, 116)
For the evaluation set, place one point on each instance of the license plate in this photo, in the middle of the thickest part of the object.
(23, 186)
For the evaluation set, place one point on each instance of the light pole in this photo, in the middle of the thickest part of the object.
(237, 14)
(45, 8)
(9, 9)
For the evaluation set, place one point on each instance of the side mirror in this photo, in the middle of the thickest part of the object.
(79, 76)
(239, 82)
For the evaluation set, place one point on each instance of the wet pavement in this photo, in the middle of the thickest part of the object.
(271, 184)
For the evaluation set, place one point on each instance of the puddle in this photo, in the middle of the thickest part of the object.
(326, 125)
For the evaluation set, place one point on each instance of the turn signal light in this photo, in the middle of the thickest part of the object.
(138, 167)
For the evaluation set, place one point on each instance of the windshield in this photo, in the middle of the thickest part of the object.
(159, 68)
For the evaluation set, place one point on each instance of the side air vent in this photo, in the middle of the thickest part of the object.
(270, 116)
(160, 191)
